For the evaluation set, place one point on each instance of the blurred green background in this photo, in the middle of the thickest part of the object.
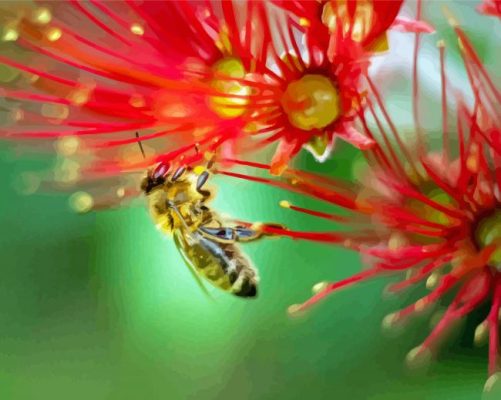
(100, 306)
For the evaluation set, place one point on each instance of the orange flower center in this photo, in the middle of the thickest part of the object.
(488, 232)
(311, 102)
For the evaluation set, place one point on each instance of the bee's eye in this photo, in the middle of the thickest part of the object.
(161, 171)
(155, 177)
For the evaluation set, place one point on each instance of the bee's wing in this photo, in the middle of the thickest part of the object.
(181, 244)
(222, 264)
(230, 235)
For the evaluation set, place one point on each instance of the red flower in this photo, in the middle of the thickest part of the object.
(101, 71)
(490, 7)
(313, 93)
(433, 213)
(190, 75)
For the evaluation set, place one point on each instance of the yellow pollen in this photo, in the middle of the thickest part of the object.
(137, 29)
(294, 310)
(319, 287)
(355, 22)
(451, 19)
(433, 280)
(304, 22)
(396, 241)
(481, 334)
(79, 96)
(488, 232)
(234, 95)
(67, 145)
(311, 102)
(67, 172)
(121, 192)
(420, 305)
(55, 112)
(10, 35)
(32, 78)
(199, 169)
(81, 202)
(137, 101)
(42, 16)
(493, 386)
(17, 115)
(284, 204)
(54, 34)
(418, 357)
(389, 321)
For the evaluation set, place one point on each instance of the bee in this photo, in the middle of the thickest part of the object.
(178, 203)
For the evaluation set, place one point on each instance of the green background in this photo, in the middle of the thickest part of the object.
(100, 306)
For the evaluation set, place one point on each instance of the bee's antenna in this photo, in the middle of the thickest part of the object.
(140, 145)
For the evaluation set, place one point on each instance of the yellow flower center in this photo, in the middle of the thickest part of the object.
(487, 232)
(311, 102)
(430, 213)
(359, 21)
(234, 95)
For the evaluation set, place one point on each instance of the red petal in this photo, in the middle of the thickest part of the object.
(354, 137)
(411, 25)
(285, 151)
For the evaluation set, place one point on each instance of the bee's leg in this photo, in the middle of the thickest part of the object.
(236, 234)
(202, 178)
(221, 234)
(178, 213)
(248, 234)
(207, 217)
(177, 174)
(229, 234)
(244, 234)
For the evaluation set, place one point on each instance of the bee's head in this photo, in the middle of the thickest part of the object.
(155, 177)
